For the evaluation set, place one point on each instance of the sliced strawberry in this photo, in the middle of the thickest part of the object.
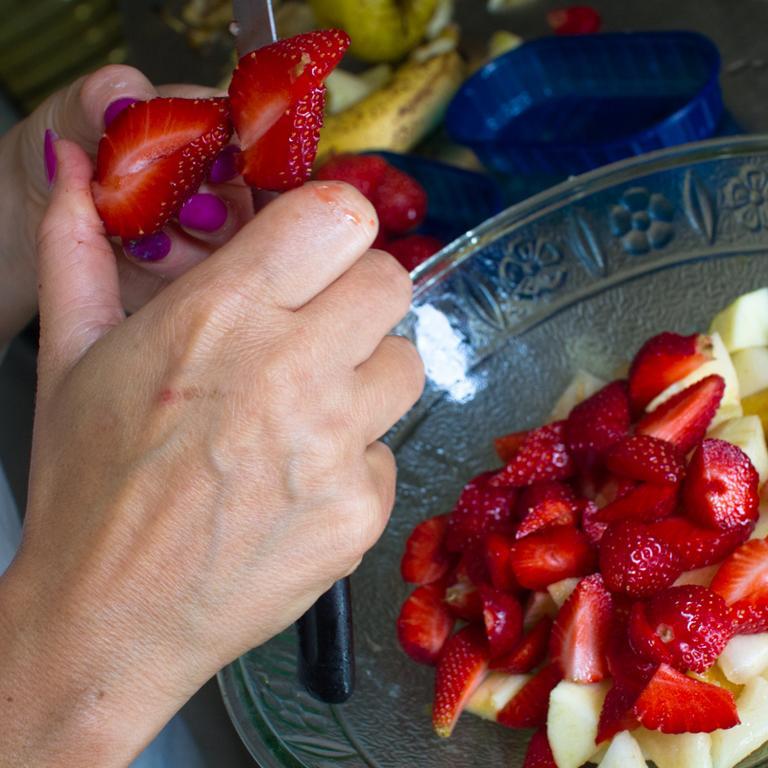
(592, 527)
(543, 558)
(413, 250)
(528, 708)
(675, 703)
(400, 201)
(597, 423)
(628, 669)
(721, 489)
(461, 596)
(152, 157)
(612, 488)
(748, 617)
(544, 505)
(574, 20)
(645, 458)
(635, 561)
(663, 360)
(364, 172)
(529, 652)
(482, 508)
(616, 714)
(539, 753)
(424, 624)
(461, 668)
(508, 445)
(425, 558)
(498, 558)
(503, 619)
(542, 456)
(744, 575)
(644, 503)
(580, 633)
(684, 418)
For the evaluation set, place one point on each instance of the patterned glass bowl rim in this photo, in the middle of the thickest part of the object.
(428, 279)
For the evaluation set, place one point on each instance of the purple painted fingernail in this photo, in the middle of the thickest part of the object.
(49, 155)
(149, 248)
(116, 107)
(224, 166)
(204, 212)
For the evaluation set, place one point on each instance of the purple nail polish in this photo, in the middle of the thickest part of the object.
(224, 167)
(116, 107)
(149, 248)
(49, 155)
(203, 212)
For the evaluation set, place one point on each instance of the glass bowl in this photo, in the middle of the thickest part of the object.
(577, 277)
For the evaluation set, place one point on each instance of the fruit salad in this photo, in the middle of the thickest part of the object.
(607, 586)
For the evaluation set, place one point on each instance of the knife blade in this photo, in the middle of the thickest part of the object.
(254, 24)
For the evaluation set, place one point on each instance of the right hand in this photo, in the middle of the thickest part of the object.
(203, 470)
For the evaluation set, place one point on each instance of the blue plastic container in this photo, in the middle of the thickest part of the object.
(569, 104)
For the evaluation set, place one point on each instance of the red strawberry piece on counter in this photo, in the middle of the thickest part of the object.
(400, 201)
(424, 624)
(648, 459)
(528, 708)
(721, 489)
(663, 360)
(462, 666)
(364, 172)
(498, 559)
(616, 714)
(542, 456)
(749, 617)
(152, 157)
(635, 561)
(644, 503)
(539, 753)
(503, 619)
(744, 575)
(675, 703)
(412, 250)
(529, 652)
(684, 419)
(425, 558)
(543, 558)
(574, 20)
(686, 627)
(544, 505)
(597, 423)
(580, 633)
(592, 527)
(482, 508)
(507, 446)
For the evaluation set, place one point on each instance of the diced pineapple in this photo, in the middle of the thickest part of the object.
(757, 405)
(624, 752)
(675, 750)
(744, 323)
(751, 366)
(702, 577)
(747, 433)
(731, 746)
(561, 590)
(582, 386)
(493, 694)
(745, 657)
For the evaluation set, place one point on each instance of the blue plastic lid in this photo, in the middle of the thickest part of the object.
(565, 105)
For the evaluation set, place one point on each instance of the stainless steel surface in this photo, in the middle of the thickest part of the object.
(254, 24)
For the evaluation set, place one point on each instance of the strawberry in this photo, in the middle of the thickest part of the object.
(364, 172)
(461, 596)
(498, 560)
(744, 575)
(612, 488)
(748, 617)
(508, 445)
(644, 503)
(539, 753)
(543, 558)
(400, 201)
(592, 527)
(721, 489)
(663, 360)
(628, 669)
(696, 546)
(597, 423)
(541, 456)
(482, 508)
(412, 250)
(616, 714)
(424, 624)
(675, 703)
(686, 627)
(580, 633)
(528, 708)
(461, 668)
(152, 157)
(645, 458)
(574, 20)
(529, 652)
(544, 505)
(425, 559)
(503, 619)
(684, 418)
(636, 562)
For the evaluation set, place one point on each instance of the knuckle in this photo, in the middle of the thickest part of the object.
(359, 522)
(411, 365)
(393, 278)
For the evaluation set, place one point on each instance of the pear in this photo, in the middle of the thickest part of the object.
(582, 386)
(756, 404)
(493, 694)
(731, 746)
(747, 433)
(701, 577)
(751, 365)
(744, 323)
(675, 750)
(745, 657)
(624, 752)
(561, 590)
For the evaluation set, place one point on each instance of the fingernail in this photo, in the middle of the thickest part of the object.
(49, 155)
(116, 107)
(149, 248)
(224, 167)
(204, 212)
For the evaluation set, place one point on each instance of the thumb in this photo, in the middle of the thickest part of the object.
(78, 289)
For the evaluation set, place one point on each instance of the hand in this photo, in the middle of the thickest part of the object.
(202, 471)
(77, 113)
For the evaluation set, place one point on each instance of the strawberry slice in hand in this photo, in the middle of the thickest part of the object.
(425, 559)
(424, 624)
(152, 157)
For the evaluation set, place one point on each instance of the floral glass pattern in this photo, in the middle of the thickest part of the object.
(642, 220)
(532, 268)
(747, 196)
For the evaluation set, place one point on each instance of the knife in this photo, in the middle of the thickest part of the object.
(326, 660)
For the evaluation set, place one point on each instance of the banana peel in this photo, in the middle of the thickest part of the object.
(397, 116)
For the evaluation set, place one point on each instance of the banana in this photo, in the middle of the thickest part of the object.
(397, 116)
(346, 88)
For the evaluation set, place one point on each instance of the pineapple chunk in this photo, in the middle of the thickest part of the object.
(751, 366)
(675, 750)
(745, 657)
(494, 693)
(560, 591)
(744, 323)
(747, 433)
(582, 386)
(624, 752)
(731, 746)
(574, 711)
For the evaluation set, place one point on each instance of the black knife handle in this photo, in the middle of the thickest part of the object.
(326, 650)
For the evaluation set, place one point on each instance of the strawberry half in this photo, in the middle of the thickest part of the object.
(721, 489)
(461, 596)
(616, 714)
(748, 617)
(580, 633)
(648, 459)
(503, 619)
(539, 753)
(684, 419)
(528, 708)
(425, 559)
(675, 703)
(744, 575)
(462, 667)
(152, 157)
(424, 624)
(507, 446)
(663, 360)
(498, 559)
(530, 651)
(644, 503)
(592, 527)
(364, 172)
(400, 202)
(544, 505)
